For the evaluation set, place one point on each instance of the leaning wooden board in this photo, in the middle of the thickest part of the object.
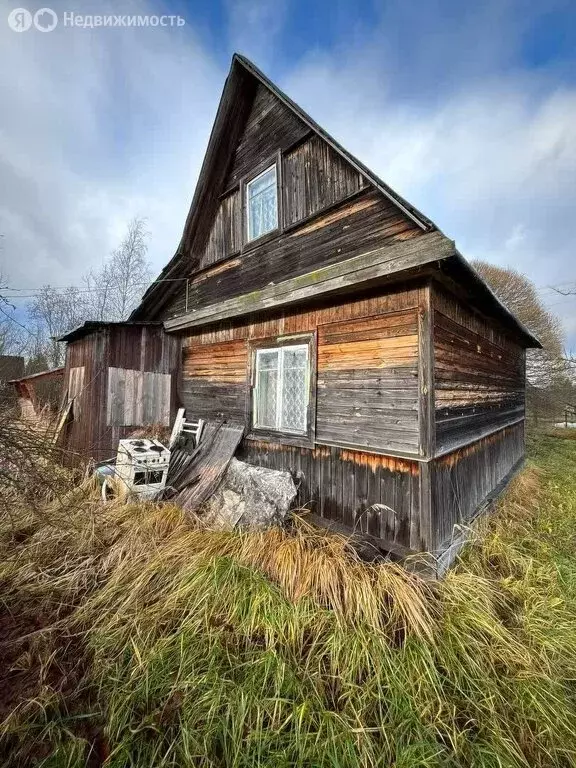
(204, 473)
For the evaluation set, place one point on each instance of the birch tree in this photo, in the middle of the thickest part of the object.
(116, 288)
(54, 312)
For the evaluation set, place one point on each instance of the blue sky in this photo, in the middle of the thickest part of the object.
(468, 110)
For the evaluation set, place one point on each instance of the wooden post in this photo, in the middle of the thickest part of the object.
(427, 422)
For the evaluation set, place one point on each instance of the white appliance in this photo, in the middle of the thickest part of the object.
(142, 465)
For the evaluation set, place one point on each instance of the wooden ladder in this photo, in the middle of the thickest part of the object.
(183, 427)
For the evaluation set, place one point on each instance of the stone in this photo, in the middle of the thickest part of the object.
(252, 498)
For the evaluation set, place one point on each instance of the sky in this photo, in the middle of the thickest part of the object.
(466, 109)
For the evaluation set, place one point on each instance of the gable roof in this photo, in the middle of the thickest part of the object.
(227, 119)
(226, 130)
(412, 212)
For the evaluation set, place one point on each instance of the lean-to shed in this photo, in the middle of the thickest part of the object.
(119, 376)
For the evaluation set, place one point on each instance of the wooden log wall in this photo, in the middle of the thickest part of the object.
(368, 382)
(479, 374)
(462, 480)
(368, 493)
(367, 397)
(367, 385)
(355, 226)
(134, 348)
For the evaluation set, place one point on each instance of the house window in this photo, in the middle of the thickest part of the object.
(262, 204)
(281, 389)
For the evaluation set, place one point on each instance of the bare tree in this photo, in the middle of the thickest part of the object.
(13, 338)
(109, 293)
(116, 288)
(546, 368)
(55, 311)
(98, 286)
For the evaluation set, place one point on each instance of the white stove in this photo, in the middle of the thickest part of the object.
(143, 465)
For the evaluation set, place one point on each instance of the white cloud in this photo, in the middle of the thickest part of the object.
(254, 27)
(493, 166)
(98, 126)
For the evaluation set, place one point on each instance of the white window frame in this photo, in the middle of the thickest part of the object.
(249, 236)
(279, 387)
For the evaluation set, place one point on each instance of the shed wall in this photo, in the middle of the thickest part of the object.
(134, 348)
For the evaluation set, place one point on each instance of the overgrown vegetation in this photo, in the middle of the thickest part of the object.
(152, 642)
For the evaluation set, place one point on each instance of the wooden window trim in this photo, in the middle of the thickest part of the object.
(248, 245)
(305, 440)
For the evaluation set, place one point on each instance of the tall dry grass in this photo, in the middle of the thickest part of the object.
(189, 647)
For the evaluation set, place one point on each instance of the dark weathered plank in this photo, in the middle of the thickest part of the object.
(426, 370)
(479, 374)
(461, 480)
(355, 271)
(348, 486)
(206, 470)
(316, 177)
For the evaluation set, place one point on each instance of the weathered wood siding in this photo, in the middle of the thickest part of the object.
(270, 127)
(367, 368)
(138, 348)
(225, 236)
(315, 177)
(355, 226)
(479, 374)
(327, 212)
(345, 485)
(368, 382)
(461, 481)
(367, 397)
(214, 379)
(136, 397)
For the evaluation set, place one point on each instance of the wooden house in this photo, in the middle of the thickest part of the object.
(315, 306)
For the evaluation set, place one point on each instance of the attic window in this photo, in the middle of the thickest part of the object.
(262, 204)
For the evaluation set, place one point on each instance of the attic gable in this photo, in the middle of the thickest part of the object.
(269, 127)
(253, 117)
(313, 175)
